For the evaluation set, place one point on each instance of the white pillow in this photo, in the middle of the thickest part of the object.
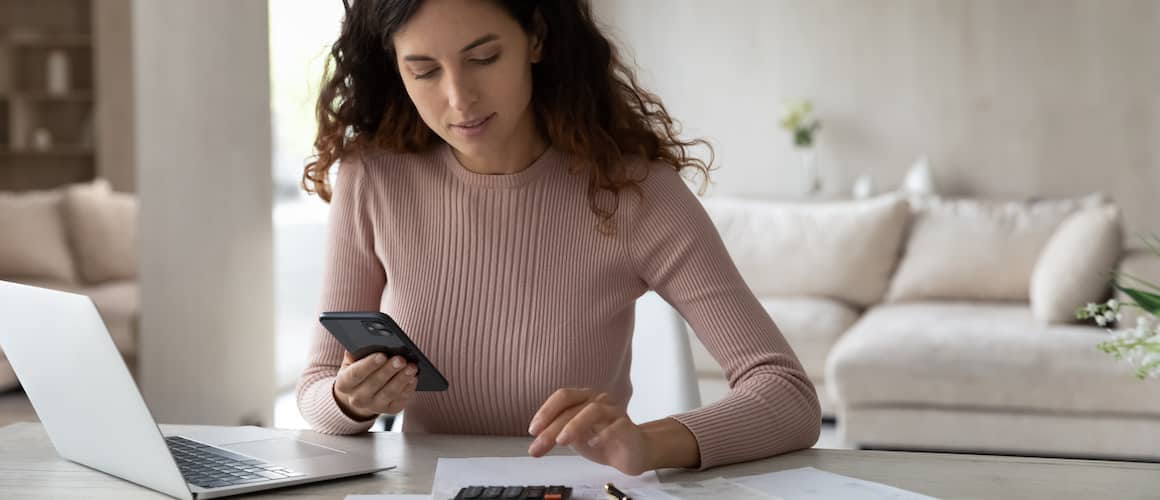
(977, 249)
(103, 231)
(841, 250)
(1076, 266)
(33, 244)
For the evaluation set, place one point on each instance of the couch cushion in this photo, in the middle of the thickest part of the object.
(977, 249)
(842, 250)
(119, 304)
(102, 227)
(33, 241)
(1076, 266)
(812, 326)
(982, 356)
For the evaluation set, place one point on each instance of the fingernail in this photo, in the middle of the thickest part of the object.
(592, 443)
(563, 438)
(533, 429)
(411, 370)
(380, 359)
(398, 363)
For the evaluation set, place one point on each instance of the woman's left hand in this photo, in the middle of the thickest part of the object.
(597, 428)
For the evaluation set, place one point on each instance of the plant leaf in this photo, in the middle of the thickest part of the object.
(1147, 301)
(1152, 242)
(1139, 280)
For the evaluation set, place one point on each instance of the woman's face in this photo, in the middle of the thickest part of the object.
(466, 65)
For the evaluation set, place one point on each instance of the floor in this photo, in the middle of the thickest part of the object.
(14, 407)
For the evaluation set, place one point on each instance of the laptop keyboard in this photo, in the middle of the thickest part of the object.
(211, 467)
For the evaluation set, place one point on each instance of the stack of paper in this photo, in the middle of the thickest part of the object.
(808, 483)
(587, 480)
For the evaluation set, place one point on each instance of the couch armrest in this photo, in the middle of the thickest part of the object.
(1142, 264)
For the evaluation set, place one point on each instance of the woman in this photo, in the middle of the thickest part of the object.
(506, 192)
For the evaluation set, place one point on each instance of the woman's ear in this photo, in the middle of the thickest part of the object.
(539, 34)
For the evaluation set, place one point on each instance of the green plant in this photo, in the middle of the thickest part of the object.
(798, 122)
(1140, 345)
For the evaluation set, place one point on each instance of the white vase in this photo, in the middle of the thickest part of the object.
(920, 178)
(41, 139)
(809, 162)
(57, 73)
(863, 187)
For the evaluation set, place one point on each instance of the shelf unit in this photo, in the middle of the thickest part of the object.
(47, 123)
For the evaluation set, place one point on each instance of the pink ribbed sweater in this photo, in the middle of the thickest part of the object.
(506, 284)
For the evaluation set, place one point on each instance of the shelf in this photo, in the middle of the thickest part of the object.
(40, 95)
(55, 151)
(48, 41)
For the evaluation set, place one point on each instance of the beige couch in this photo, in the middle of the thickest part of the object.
(939, 324)
(79, 238)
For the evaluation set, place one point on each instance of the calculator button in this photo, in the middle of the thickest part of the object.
(534, 493)
(512, 492)
(554, 493)
(471, 492)
(492, 492)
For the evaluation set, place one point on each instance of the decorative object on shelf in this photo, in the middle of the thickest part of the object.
(920, 178)
(88, 134)
(20, 121)
(57, 73)
(41, 139)
(24, 34)
(863, 187)
(797, 121)
(1138, 344)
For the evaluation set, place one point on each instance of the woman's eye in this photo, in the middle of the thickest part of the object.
(431, 73)
(486, 61)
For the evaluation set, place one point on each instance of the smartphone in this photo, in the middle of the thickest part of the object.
(365, 333)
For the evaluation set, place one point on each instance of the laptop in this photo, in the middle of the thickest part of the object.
(95, 416)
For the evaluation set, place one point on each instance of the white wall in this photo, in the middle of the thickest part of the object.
(1009, 98)
(204, 177)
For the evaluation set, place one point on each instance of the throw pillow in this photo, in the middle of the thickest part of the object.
(103, 228)
(1076, 265)
(968, 249)
(840, 250)
(33, 243)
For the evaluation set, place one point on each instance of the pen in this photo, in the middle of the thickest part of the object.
(615, 494)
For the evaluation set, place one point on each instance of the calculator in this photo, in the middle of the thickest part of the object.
(515, 492)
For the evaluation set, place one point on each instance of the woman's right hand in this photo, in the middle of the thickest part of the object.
(372, 385)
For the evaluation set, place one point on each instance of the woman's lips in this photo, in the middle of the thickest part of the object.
(472, 123)
(473, 128)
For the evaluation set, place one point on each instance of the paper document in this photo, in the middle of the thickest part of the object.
(808, 483)
(716, 488)
(388, 497)
(585, 477)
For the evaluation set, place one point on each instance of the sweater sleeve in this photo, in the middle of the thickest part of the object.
(354, 280)
(772, 406)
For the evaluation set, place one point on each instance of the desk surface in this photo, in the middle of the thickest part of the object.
(30, 468)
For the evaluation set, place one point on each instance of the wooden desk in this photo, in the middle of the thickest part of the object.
(30, 468)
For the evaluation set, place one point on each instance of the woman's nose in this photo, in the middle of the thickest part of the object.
(461, 93)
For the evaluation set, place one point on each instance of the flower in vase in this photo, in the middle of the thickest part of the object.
(797, 120)
(1139, 346)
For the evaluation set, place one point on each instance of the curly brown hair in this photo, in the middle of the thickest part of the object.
(586, 101)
